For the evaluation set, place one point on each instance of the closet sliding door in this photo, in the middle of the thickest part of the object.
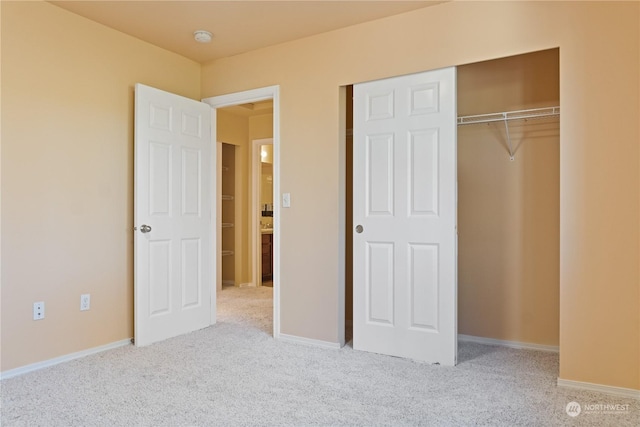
(404, 216)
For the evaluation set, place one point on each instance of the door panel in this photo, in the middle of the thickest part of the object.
(173, 185)
(191, 180)
(405, 259)
(423, 282)
(423, 173)
(160, 179)
(191, 280)
(380, 174)
(380, 283)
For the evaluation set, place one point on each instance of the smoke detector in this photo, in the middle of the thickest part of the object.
(202, 36)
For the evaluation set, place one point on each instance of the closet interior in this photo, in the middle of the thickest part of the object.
(508, 200)
(227, 200)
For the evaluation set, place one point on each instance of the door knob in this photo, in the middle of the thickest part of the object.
(359, 229)
(145, 228)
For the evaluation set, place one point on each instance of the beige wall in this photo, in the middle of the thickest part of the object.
(599, 182)
(67, 176)
(509, 211)
(261, 127)
(231, 128)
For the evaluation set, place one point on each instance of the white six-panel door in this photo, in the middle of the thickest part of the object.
(404, 215)
(173, 257)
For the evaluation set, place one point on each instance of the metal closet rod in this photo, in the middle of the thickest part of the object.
(505, 116)
(509, 115)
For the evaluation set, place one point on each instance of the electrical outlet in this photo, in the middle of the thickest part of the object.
(85, 302)
(38, 310)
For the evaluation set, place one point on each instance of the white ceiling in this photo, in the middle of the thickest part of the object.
(237, 26)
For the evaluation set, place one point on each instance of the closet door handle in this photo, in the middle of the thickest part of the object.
(359, 229)
(145, 228)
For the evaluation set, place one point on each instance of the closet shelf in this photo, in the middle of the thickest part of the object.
(226, 253)
(534, 113)
(227, 197)
(506, 116)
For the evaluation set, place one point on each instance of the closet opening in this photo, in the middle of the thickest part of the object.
(508, 174)
(509, 210)
(228, 214)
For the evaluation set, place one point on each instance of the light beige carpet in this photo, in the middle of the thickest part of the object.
(235, 374)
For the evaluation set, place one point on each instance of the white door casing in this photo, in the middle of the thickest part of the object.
(173, 262)
(404, 198)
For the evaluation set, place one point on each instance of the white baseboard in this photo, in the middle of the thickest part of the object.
(608, 389)
(510, 344)
(308, 341)
(67, 357)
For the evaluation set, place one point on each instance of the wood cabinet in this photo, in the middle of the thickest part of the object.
(267, 257)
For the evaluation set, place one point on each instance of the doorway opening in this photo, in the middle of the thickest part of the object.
(262, 208)
(508, 210)
(239, 119)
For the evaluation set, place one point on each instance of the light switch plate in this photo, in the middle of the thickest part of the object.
(85, 302)
(286, 200)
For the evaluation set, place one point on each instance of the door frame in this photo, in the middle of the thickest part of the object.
(256, 245)
(344, 132)
(244, 97)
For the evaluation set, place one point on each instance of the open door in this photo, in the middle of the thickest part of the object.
(404, 216)
(173, 256)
